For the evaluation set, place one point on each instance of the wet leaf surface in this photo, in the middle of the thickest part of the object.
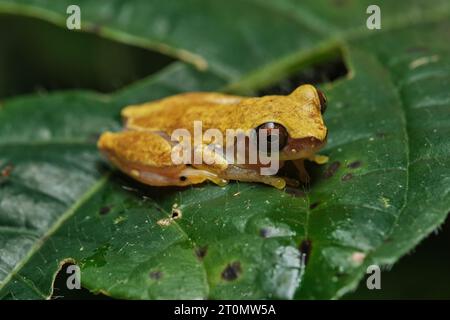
(385, 188)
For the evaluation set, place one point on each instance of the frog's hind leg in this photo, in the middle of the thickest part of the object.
(147, 157)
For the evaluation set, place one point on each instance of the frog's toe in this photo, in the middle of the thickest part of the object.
(291, 182)
(274, 181)
(320, 159)
(220, 182)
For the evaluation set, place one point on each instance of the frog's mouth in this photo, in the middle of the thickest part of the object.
(301, 148)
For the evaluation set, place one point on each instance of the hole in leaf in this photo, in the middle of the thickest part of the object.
(61, 290)
(176, 213)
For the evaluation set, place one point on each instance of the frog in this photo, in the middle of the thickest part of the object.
(143, 149)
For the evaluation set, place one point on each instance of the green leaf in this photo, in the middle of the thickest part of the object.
(209, 33)
(386, 186)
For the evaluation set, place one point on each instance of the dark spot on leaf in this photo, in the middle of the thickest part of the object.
(264, 232)
(331, 170)
(325, 71)
(232, 271)
(313, 205)
(156, 275)
(354, 164)
(305, 249)
(295, 192)
(65, 276)
(183, 178)
(104, 210)
(347, 177)
(201, 252)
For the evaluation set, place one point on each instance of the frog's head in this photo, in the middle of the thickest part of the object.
(298, 118)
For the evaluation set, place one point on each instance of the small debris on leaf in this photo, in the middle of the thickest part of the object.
(104, 210)
(358, 257)
(6, 171)
(156, 275)
(347, 177)
(331, 170)
(354, 164)
(313, 205)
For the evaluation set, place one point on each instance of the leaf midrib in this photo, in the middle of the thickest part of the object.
(406, 134)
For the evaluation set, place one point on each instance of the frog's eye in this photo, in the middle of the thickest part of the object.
(323, 101)
(273, 131)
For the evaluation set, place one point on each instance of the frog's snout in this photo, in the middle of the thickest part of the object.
(302, 148)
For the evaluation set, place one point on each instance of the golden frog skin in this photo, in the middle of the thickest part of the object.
(143, 149)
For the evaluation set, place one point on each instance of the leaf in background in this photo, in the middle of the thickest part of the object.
(232, 38)
(386, 187)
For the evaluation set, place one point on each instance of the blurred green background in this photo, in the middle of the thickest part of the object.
(36, 56)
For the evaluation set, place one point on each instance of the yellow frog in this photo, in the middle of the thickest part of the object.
(144, 150)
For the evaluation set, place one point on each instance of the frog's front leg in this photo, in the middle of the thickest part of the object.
(319, 159)
(301, 170)
(300, 165)
(207, 159)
